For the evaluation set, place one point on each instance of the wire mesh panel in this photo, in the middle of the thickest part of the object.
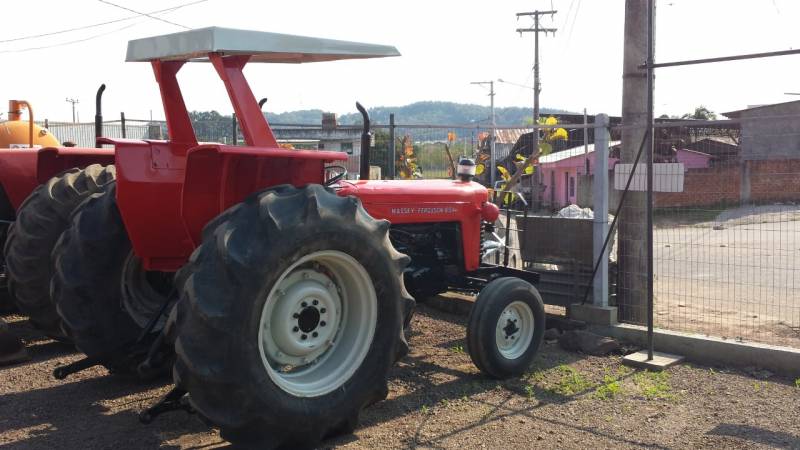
(726, 232)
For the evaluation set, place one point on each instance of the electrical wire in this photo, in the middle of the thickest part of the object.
(95, 25)
(144, 14)
(574, 19)
(61, 44)
(566, 17)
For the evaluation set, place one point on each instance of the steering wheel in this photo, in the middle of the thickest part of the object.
(337, 177)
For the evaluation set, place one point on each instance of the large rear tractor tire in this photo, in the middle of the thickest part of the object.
(41, 219)
(103, 295)
(291, 317)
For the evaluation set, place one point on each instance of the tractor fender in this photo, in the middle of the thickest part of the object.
(21, 170)
(220, 176)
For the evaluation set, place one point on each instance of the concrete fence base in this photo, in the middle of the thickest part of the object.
(710, 350)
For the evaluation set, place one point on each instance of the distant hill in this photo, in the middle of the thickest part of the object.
(429, 113)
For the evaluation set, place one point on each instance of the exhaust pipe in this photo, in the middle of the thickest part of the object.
(98, 114)
(365, 144)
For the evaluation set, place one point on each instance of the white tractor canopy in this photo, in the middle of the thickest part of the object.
(195, 45)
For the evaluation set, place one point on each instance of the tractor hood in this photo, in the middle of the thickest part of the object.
(417, 201)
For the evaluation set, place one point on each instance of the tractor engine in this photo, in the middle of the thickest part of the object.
(436, 256)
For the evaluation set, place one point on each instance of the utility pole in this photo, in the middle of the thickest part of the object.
(492, 154)
(74, 101)
(537, 87)
(633, 221)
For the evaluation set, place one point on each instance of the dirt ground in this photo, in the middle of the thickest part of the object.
(437, 400)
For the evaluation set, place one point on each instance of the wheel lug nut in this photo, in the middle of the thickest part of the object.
(304, 337)
(304, 304)
(315, 302)
(314, 334)
(322, 324)
(322, 310)
(296, 316)
(295, 329)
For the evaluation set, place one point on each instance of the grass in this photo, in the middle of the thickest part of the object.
(529, 391)
(609, 389)
(459, 349)
(425, 410)
(654, 385)
(571, 381)
(797, 383)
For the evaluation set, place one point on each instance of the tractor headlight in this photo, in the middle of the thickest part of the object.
(466, 168)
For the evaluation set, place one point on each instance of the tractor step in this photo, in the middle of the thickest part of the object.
(175, 400)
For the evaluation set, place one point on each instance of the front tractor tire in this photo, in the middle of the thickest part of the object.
(103, 295)
(505, 327)
(41, 219)
(290, 318)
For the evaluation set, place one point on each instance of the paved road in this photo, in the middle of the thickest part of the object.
(740, 281)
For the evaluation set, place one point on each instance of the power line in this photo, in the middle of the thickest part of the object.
(95, 25)
(76, 41)
(574, 19)
(566, 18)
(144, 14)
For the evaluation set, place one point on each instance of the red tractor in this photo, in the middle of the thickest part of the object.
(274, 288)
(41, 182)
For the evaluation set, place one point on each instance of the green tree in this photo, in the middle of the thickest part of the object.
(700, 113)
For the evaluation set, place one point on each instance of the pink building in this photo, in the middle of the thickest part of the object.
(559, 171)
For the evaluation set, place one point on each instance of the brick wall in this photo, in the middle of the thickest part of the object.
(765, 181)
(774, 180)
(703, 187)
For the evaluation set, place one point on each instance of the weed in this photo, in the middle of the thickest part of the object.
(464, 398)
(797, 383)
(609, 389)
(623, 371)
(571, 382)
(457, 349)
(425, 410)
(537, 377)
(444, 402)
(529, 390)
(654, 385)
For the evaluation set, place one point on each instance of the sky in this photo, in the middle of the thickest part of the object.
(445, 45)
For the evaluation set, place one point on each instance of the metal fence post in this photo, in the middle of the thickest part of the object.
(235, 137)
(122, 123)
(391, 147)
(600, 200)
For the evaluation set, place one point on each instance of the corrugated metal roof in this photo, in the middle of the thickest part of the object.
(570, 153)
(510, 136)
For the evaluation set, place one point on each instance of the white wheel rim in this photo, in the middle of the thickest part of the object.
(317, 323)
(514, 331)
